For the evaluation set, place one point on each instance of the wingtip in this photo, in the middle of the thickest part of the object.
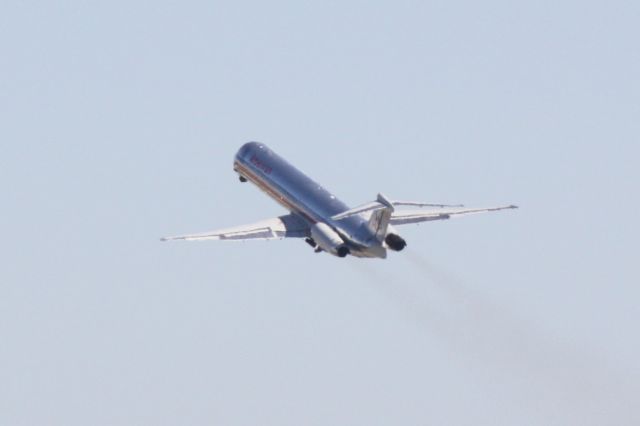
(513, 206)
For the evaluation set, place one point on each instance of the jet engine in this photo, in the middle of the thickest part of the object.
(395, 242)
(328, 240)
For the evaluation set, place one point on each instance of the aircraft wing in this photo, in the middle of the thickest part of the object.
(415, 216)
(287, 226)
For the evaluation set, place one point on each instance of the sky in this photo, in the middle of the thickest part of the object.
(118, 125)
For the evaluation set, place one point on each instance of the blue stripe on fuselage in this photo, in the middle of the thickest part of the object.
(295, 190)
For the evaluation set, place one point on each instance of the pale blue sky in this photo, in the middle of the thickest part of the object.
(119, 122)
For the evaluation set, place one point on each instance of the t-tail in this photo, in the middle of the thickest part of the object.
(379, 224)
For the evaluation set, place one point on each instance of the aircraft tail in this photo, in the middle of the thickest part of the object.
(381, 212)
(379, 220)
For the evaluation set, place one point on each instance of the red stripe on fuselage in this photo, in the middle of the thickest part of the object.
(271, 192)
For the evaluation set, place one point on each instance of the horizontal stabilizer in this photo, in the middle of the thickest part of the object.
(418, 204)
(416, 216)
(383, 203)
(376, 211)
(369, 207)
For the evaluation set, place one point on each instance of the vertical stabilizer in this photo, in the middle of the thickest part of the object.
(379, 220)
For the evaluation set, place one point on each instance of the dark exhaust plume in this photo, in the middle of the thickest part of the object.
(549, 374)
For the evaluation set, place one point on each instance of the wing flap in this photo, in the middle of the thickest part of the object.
(287, 226)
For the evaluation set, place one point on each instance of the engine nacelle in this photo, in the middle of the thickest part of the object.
(328, 239)
(395, 242)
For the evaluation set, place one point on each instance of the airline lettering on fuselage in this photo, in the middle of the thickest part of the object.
(260, 165)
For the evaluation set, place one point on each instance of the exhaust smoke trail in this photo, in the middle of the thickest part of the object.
(404, 298)
(549, 374)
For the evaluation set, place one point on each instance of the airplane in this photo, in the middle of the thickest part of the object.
(326, 223)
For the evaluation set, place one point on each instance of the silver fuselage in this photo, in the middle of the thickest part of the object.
(302, 196)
